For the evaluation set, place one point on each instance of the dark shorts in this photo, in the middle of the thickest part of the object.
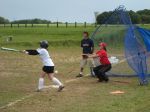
(48, 69)
(102, 69)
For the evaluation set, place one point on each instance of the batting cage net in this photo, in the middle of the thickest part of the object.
(129, 43)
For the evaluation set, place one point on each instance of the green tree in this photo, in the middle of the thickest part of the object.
(3, 20)
(145, 16)
(142, 16)
(31, 21)
(101, 18)
(135, 17)
(145, 19)
(144, 12)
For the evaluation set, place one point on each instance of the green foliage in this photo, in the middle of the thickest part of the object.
(3, 20)
(145, 19)
(102, 17)
(145, 16)
(135, 17)
(142, 16)
(31, 21)
(144, 12)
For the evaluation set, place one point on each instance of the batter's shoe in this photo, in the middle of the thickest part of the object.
(80, 75)
(61, 88)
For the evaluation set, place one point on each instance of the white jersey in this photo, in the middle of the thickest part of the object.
(45, 57)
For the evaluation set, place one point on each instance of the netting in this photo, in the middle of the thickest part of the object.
(123, 37)
(145, 34)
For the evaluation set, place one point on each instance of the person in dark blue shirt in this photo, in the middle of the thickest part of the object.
(87, 46)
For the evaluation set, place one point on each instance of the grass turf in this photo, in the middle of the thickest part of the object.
(19, 76)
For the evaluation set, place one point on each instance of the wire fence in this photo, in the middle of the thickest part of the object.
(57, 24)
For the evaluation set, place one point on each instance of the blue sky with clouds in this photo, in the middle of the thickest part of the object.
(64, 10)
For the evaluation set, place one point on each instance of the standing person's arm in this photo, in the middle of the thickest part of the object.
(92, 46)
(82, 48)
(92, 49)
(81, 44)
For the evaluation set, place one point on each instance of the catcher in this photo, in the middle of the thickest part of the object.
(105, 63)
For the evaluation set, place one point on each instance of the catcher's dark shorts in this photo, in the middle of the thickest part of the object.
(102, 69)
(48, 69)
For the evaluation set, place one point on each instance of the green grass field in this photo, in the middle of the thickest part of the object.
(31, 36)
(19, 75)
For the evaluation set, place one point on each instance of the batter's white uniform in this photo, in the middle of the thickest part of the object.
(45, 57)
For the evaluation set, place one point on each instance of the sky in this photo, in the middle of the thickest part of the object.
(64, 10)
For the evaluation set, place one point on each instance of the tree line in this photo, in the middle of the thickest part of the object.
(31, 21)
(3, 20)
(25, 21)
(138, 17)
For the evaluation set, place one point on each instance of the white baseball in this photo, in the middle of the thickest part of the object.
(56, 72)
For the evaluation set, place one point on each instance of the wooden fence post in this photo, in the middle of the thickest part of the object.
(75, 24)
(84, 24)
(66, 24)
(57, 24)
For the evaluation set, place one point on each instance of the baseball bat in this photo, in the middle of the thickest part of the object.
(9, 49)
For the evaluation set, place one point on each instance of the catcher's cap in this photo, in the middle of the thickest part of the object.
(102, 44)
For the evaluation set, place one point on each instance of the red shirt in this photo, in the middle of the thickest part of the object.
(102, 54)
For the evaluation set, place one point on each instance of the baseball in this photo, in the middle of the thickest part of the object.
(56, 72)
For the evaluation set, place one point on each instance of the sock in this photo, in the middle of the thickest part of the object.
(41, 83)
(56, 81)
(81, 73)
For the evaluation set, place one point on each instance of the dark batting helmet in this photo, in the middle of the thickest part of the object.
(44, 44)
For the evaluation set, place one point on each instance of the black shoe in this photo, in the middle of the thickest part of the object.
(38, 90)
(100, 80)
(106, 79)
(93, 76)
(61, 88)
(80, 75)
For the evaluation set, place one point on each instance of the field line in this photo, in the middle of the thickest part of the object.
(31, 95)
(17, 101)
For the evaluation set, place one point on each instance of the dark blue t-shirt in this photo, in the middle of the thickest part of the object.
(87, 45)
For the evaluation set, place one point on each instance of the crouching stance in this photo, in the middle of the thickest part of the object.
(105, 63)
(48, 67)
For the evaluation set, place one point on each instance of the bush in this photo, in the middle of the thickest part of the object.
(3, 20)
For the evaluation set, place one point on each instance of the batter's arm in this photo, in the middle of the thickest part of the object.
(31, 52)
